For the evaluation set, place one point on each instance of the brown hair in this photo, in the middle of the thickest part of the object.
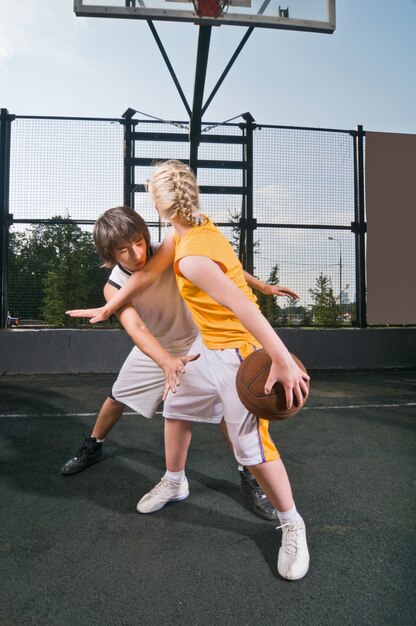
(116, 228)
(174, 189)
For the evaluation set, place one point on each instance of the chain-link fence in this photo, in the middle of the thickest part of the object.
(304, 204)
(300, 209)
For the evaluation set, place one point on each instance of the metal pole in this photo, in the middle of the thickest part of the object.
(204, 39)
(247, 214)
(360, 228)
(5, 218)
(128, 180)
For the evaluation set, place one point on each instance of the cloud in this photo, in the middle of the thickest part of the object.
(273, 192)
(40, 28)
(276, 195)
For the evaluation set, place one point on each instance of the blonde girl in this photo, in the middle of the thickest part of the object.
(211, 281)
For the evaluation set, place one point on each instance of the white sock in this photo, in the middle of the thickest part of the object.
(286, 517)
(176, 478)
(96, 439)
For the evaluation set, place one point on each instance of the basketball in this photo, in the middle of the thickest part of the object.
(251, 378)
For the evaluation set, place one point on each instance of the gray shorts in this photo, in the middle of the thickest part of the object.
(140, 382)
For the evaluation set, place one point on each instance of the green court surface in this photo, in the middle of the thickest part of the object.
(74, 551)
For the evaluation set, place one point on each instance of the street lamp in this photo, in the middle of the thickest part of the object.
(340, 266)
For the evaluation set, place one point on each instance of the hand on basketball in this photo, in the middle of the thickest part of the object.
(96, 315)
(277, 290)
(293, 379)
(172, 368)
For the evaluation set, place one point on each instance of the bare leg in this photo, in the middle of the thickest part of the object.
(273, 479)
(109, 414)
(253, 494)
(293, 559)
(178, 435)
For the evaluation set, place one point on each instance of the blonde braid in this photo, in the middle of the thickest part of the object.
(186, 207)
(174, 189)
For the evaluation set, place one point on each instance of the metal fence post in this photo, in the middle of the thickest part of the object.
(129, 153)
(360, 228)
(5, 218)
(249, 223)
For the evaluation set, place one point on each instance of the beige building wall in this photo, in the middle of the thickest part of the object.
(390, 174)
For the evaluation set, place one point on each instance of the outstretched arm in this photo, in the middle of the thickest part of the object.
(137, 282)
(269, 290)
(207, 275)
(136, 328)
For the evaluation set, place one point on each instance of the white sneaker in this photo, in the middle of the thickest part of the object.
(161, 494)
(293, 561)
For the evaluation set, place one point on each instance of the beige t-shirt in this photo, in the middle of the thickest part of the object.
(162, 309)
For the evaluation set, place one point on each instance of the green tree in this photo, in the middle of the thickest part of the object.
(268, 304)
(67, 283)
(235, 231)
(29, 259)
(307, 316)
(325, 308)
(53, 267)
(236, 234)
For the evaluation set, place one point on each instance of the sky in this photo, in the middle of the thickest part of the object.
(54, 63)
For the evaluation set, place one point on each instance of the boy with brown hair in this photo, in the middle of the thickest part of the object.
(162, 329)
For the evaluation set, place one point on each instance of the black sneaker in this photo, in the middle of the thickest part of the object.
(90, 452)
(255, 497)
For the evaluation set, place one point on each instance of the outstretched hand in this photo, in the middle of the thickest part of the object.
(277, 290)
(96, 315)
(172, 368)
(293, 379)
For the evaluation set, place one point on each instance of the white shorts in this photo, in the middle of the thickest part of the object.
(140, 382)
(207, 393)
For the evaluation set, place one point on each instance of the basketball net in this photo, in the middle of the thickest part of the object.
(210, 8)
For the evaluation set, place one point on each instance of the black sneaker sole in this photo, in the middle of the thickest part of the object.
(81, 469)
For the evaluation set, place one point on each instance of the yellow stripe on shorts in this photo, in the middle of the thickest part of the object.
(268, 449)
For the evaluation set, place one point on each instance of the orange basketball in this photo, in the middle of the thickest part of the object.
(251, 378)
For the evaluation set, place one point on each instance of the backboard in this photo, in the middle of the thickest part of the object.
(304, 15)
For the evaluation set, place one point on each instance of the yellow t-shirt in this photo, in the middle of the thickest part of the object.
(220, 328)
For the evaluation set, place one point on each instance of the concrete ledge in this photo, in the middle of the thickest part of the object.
(353, 348)
(62, 351)
(103, 351)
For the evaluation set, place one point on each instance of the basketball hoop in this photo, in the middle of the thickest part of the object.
(210, 8)
(317, 16)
